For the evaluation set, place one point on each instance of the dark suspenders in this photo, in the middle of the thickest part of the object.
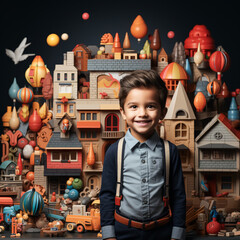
(118, 196)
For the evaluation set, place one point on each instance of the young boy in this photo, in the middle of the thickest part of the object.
(142, 207)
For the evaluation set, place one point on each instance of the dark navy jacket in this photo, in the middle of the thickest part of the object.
(108, 189)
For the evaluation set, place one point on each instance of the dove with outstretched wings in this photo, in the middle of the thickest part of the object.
(18, 56)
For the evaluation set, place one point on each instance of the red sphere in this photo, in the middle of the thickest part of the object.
(213, 227)
(85, 16)
(30, 176)
(171, 34)
(32, 143)
(22, 142)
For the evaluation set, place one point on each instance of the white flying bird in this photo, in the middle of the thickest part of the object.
(18, 56)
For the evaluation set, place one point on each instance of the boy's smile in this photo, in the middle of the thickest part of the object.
(142, 112)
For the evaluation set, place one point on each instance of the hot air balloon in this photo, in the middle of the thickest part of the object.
(32, 202)
(213, 87)
(25, 96)
(200, 102)
(219, 62)
(12, 92)
(35, 74)
(139, 28)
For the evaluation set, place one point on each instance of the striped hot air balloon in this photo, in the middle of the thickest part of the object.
(25, 95)
(219, 62)
(32, 202)
(172, 74)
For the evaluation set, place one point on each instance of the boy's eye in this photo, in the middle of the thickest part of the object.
(151, 106)
(133, 106)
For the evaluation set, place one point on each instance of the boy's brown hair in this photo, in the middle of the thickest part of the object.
(143, 78)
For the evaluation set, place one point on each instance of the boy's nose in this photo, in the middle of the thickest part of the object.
(142, 112)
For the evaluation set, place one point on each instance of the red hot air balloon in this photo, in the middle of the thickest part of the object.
(219, 62)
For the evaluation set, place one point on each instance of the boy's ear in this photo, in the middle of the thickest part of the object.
(164, 112)
(122, 113)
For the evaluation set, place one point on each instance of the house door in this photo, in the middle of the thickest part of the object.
(94, 182)
(79, 58)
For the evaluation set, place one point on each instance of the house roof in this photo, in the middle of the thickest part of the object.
(70, 143)
(180, 101)
(5, 164)
(83, 46)
(224, 121)
(118, 65)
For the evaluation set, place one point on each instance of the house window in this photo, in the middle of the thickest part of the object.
(206, 154)
(55, 156)
(59, 108)
(226, 183)
(217, 154)
(229, 155)
(64, 156)
(180, 114)
(94, 116)
(88, 134)
(112, 122)
(65, 88)
(58, 76)
(72, 76)
(181, 130)
(65, 76)
(82, 116)
(184, 156)
(89, 116)
(71, 108)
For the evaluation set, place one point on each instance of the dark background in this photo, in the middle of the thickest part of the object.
(37, 19)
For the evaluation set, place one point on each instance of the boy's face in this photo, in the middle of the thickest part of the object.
(142, 112)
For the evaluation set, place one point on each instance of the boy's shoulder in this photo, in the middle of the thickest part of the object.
(113, 147)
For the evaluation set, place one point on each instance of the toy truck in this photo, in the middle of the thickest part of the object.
(81, 222)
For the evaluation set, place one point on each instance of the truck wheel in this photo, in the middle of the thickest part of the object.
(80, 228)
(71, 226)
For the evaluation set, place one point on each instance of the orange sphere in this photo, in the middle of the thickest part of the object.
(30, 176)
(213, 87)
(200, 102)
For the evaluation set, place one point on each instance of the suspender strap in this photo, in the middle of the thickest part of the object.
(118, 196)
(167, 167)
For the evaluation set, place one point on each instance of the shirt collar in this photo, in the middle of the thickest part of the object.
(151, 142)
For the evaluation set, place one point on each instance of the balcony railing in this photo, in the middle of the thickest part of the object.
(112, 134)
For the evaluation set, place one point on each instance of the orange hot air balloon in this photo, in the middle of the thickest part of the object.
(139, 28)
(91, 156)
(213, 87)
(200, 102)
(36, 72)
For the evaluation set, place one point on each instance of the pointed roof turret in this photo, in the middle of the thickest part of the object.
(180, 104)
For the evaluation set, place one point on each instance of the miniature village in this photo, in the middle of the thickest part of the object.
(53, 145)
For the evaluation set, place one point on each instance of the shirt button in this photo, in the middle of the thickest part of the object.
(144, 202)
(154, 161)
(143, 161)
(144, 180)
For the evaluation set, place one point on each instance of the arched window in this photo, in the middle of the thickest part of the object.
(181, 130)
(181, 114)
(112, 122)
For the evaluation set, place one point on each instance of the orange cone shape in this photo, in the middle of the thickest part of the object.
(91, 156)
(139, 28)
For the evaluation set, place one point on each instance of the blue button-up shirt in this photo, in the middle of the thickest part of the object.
(143, 178)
